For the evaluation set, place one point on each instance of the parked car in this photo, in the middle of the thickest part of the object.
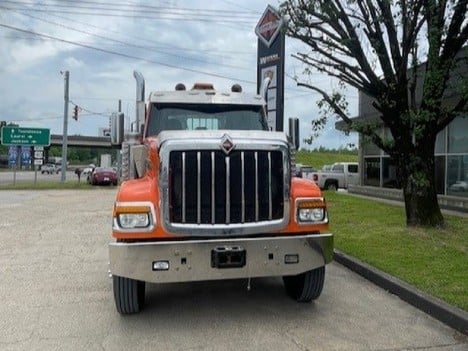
(49, 168)
(102, 175)
(459, 185)
(340, 175)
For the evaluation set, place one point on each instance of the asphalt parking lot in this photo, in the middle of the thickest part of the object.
(56, 295)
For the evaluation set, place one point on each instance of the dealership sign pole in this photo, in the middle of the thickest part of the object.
(270, 63)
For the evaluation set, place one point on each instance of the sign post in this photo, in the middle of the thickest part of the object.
(38, 157)
(12, 160)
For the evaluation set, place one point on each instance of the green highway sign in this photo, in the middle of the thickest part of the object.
(25, 136)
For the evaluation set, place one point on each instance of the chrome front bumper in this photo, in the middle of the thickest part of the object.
(193, 260)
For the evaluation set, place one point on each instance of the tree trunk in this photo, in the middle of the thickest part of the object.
(417, 175)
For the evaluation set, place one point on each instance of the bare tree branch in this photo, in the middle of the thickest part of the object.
(456, 35)
(339, 111)
(376, 38)
(387, 17)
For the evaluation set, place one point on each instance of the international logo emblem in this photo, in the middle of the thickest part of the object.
(227, 144)
(269, 26)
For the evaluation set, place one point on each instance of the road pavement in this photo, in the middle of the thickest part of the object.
(56, 295)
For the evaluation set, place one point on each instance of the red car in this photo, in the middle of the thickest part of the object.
(103, 175)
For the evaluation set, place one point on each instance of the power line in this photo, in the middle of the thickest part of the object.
(139, 58)
(141, 14)
(241, 7)
(166, 46)
(112, 6)
(126, 43)
(127, 55)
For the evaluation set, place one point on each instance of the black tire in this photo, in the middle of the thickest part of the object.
(333, 186)
(307, 286)
(129, 294)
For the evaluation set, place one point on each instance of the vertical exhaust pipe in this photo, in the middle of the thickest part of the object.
(264, 93)
(133, 138)
(264, 88)
(140, 100)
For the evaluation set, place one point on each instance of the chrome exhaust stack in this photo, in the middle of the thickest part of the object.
(264, 88)
(131, 168)
(140, 101)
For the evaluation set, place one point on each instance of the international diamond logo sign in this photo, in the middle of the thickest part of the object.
(269, 26)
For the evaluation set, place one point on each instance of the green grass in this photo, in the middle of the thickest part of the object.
(318, 159)
(433, 260)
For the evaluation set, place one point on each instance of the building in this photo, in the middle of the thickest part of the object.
(451, 159)
(378, 170)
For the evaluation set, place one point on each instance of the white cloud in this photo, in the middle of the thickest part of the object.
(73, 63)
(109, 48)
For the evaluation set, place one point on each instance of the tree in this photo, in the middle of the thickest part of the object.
(386, 49)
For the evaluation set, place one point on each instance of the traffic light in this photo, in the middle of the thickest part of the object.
(75, 113)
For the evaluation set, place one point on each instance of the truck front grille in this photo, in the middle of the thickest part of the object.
(210, 187)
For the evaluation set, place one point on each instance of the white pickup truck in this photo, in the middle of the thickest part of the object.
(340, 175)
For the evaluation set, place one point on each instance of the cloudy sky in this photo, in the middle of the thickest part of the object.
(169, 41)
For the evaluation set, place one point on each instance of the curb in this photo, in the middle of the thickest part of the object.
(447, 314)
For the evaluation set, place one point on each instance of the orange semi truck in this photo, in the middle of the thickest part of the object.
(208, 194)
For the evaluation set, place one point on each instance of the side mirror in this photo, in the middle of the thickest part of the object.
(117, 128)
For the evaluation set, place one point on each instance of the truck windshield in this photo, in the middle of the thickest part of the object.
(205, 117)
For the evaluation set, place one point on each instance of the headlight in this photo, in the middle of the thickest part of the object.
(133, 220)
(311, 211)
(134, 216)
(311, 214)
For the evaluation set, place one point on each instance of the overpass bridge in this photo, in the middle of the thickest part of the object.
(83, 141)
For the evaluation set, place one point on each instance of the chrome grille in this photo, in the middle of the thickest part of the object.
(209, 187)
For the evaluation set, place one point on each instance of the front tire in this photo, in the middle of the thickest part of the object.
(307, 286)
(129, 294)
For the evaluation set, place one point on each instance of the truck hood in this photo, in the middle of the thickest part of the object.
(201, 137)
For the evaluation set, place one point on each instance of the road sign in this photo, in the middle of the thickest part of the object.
(12, 155)
(25, 136)
(25, 155)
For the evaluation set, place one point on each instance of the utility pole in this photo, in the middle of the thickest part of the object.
(65, 128)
